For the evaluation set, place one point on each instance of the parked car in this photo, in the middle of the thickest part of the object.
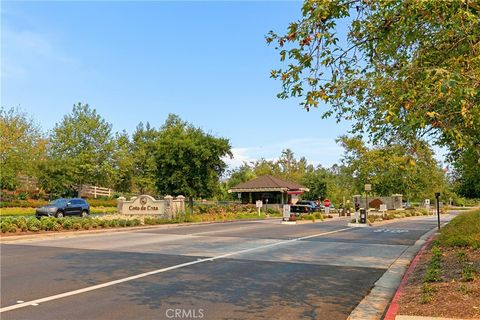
(304, 206)
(64, 207)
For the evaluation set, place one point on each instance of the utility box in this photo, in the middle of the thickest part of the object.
(363, 215)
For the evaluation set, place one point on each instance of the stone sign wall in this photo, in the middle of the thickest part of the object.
(147, 205)
(393, 202)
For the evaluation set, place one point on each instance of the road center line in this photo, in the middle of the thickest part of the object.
(146, 274)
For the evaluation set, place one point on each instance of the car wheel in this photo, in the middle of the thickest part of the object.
(84, 214)
(59, 214)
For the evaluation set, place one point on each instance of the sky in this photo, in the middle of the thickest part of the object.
(134, 62)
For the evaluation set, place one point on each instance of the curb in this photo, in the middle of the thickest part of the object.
(373, 305)
(394, 307)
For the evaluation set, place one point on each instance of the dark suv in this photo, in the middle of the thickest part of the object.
(64, 207)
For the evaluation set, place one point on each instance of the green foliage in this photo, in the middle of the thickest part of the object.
(189, 161)
(466, 173)
(33, 224)
(81, 149)
(405, 69)
(433, 272)
(316, 182)
(462, 231)
(144, 148)
(393, 168)
(428, 292)
(22, 146)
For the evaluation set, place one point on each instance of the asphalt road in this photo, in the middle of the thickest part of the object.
(239, 270)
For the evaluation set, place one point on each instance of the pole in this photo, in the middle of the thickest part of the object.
(437, 195)
(366, 200)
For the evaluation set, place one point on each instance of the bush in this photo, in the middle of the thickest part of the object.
(5, 226)
(67, 223)
(21, 223)
(149, 220)
(33, 224)
(48, 223)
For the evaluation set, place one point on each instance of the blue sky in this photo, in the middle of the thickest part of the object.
(139, 61)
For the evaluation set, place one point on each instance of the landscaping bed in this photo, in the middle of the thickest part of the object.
(24, 225)
(446, 280)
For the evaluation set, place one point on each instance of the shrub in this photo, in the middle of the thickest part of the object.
(67, 223)
(318, 215)
(149, 220)
(48, 223)
(33, 224)
(5, 226)
(21, 223)
(86, 223)
(433, 272)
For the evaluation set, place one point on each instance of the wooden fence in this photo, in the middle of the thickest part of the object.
(88, 191)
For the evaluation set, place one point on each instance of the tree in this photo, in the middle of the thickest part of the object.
(393, 168)
(407, 69)
(81, 149)
(189, 161)
(22, 147)
(316, 182)
(466, 174)
(145, 142)
(123, 161)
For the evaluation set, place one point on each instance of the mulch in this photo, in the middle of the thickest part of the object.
(452, 297)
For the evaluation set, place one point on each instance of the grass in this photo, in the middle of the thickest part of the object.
(462, 231)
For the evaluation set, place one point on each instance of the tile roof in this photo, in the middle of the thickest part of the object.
(268, 182)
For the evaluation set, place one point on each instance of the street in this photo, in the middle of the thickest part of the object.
(237, 270)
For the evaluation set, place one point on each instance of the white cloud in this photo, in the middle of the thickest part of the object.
(317, 151)
(25, 51)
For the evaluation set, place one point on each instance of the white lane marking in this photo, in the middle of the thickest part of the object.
(20, 301)
(146, 274)
(392, 230)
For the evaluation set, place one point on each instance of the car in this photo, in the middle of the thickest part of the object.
(64, 207)
(304, 207)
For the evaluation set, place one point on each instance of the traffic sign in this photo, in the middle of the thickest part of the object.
(326, 203)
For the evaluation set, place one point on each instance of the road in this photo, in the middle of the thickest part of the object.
(238, 270)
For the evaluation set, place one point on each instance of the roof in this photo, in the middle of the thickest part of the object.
(267, 183)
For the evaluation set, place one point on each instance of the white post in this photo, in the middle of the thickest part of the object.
(95, 192)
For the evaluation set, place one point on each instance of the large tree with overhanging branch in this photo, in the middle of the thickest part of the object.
(404, 68)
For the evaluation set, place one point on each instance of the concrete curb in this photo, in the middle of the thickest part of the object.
(393, 307)
(373, 306)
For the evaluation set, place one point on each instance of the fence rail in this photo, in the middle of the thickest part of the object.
(94, 191)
